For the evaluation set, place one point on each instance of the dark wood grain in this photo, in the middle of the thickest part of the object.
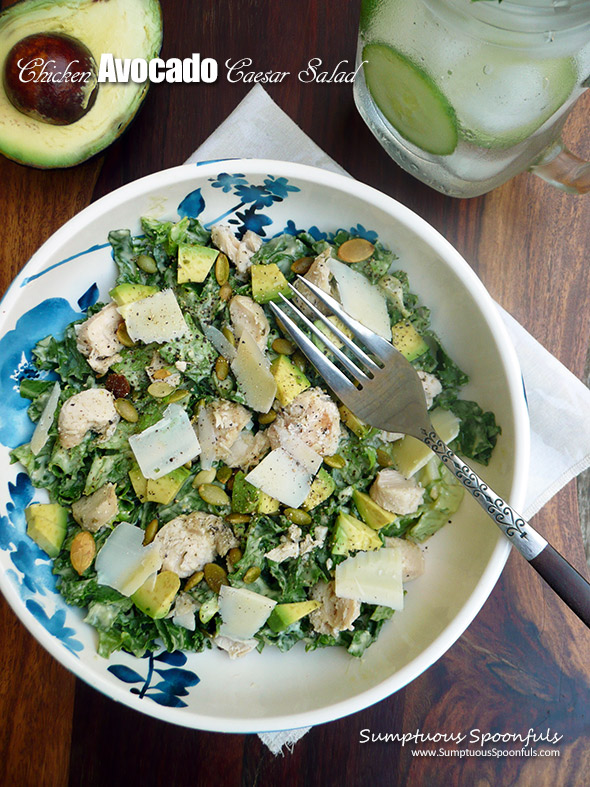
(523, 663)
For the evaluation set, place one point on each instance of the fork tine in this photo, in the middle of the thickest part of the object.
(379, 346)
(357, 373)
(362, 356)
(337, 381)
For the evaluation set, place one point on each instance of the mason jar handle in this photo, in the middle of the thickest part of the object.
(560, 167)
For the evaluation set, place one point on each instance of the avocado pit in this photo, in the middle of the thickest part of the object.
(51, 77)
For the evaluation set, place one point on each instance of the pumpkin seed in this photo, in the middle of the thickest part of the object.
(82, 551)
(224, 474)
(160, 389)
(221, 269)
(297, 516)
(251, 575)
(161, 374)
(302, 265)
(267, 418)
(214, 495)
(203, 477)
(238, 519)
(147, 263)
(336, 461)
(283, 346)
(234, 555)
(194, 580)
(126, 410)
(299, 360)
(225, 292)
(124, 337)
(227, 332)
(215, 576)
(383, 458)
(150, 532)
(221, 368)
(355, 250)
(180, 393)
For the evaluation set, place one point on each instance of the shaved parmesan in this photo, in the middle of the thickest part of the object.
(243, 612)
(299, 450)
(207, 439)
(251, 368)
(219, 341)
(166, 445)
(372, 578)
(361, 299)
(123, 562)
(154, 319)
(41, 432)
(281, 476)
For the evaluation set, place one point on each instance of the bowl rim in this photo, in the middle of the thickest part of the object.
(510, 365)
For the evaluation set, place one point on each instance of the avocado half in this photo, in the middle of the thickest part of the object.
(125, 28)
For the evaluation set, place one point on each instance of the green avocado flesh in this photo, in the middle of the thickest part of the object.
(99, 26)
(410, 100)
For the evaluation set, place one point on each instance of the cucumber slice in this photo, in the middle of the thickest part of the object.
(410, 100)
(501, 98)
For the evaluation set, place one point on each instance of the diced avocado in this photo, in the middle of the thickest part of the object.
(268, 283)
(194, 262)
(355, 424)
(159, 490)
(350, 534)
(266, 503)
(139, 483)
(447, 494)
(157, 593)
(129, 293)
(430, 472)
(164, 489)
(371, 513)
(46, 525)
(407, 340)
(410, 454)
(283, 615)
(289, 379)
(328, 333)
(322, 487)
(244, 497)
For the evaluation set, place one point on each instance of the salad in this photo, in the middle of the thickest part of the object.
(205, 486)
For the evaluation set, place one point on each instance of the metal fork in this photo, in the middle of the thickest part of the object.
(386, 392)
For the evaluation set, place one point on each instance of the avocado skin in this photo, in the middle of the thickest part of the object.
(78, 143)
(46, 525)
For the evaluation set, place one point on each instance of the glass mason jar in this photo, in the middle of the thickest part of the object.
(464, 95)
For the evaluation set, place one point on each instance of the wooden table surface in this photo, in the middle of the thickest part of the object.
(524, 662)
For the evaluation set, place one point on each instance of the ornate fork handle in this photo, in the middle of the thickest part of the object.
(555, 570)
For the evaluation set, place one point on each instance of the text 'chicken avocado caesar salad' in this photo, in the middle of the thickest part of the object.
(206, 488)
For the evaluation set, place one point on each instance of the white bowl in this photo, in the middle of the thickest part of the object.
(272, 690)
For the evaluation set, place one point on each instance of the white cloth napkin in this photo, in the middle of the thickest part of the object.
(559, 403)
